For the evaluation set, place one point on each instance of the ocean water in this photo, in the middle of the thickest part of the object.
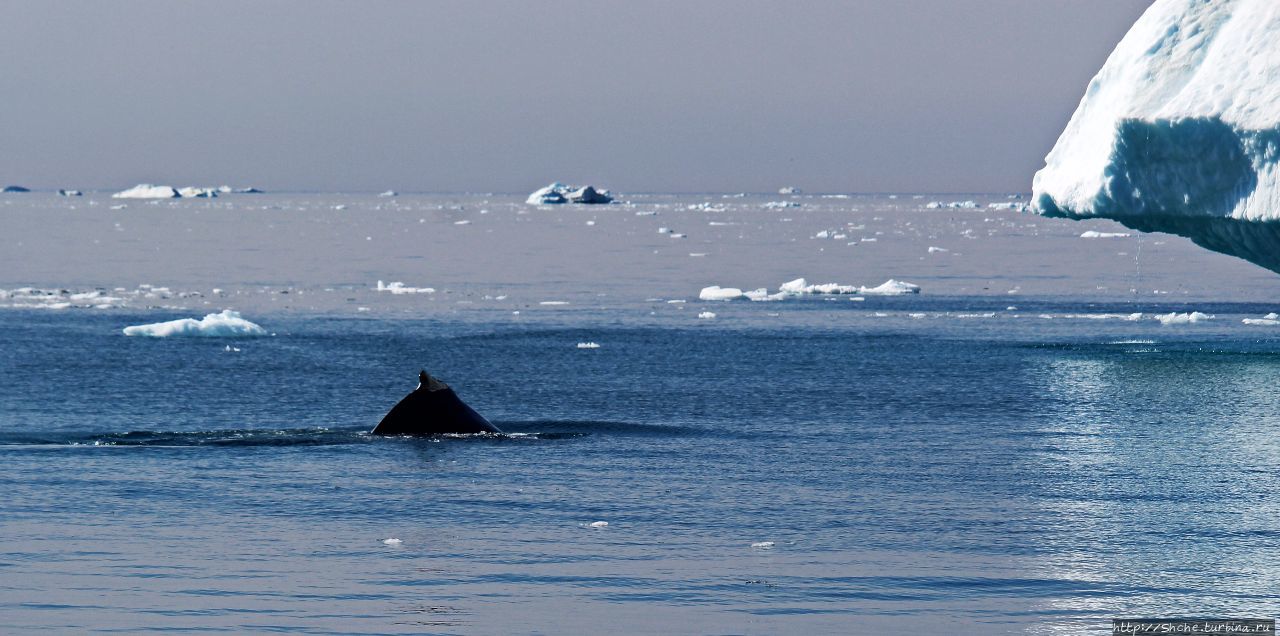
(1024, 447)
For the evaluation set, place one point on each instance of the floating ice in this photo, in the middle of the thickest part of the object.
(891, 288)
(398, 287)
(707, 315)
(716, 292)
(227, 323)
(598, 524)
(1270, 320)
(560, 193)
(790, 190)
(1097, 234)
(70, 193)
(763, 545)
(965, 205)
(147, 191)
(553, 303)
(938, 250)
(1179, 130)
(392, 541)
(775, 205)
(197, 193)
(388, 194)
(588, 345)
(1176, 318)
(15, 189)
(801, 286)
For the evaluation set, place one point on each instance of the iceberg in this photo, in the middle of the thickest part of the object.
(890, 288)
(1179, 131)
(70, 193)
(801, 286)
(15, 188)
(147, 191)
(716, 292)
(398, 288)
(227, 323)
(190, 192)
(557, 193)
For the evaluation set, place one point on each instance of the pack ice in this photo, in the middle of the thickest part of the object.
(1180, 131)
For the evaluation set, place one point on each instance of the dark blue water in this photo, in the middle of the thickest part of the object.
(968, 476)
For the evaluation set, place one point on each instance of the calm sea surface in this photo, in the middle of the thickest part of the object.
(1024, 447)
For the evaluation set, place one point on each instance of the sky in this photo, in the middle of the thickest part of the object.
(505, 96)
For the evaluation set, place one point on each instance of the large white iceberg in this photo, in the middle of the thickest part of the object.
(560, 193)
(147, 191)
(1180, 131)
(227, 323)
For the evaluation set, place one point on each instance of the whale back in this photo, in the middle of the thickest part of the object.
(432, 409)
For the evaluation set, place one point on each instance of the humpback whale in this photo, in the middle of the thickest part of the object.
(432, 409)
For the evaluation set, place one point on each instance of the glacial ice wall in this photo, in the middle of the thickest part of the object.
(1180, 131)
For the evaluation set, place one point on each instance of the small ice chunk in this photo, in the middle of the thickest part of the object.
(763, 545)
(388, 194)
(392, 541)
(707, 315)
(554, 302)
(225, 324)
(588, 345)
(598, 524)
(1097, 234)
(462, 222)
(70, 193)
(938, 250)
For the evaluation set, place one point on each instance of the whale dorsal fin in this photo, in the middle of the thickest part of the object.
(428, 383)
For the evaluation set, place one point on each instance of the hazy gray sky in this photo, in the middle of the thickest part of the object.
(691, 95)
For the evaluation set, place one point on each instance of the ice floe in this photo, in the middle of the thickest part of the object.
(147, 191)
(1176, 318)
(1269, 320)
(225, 324)
(588, 345)
(1097, 234)
(398, 287)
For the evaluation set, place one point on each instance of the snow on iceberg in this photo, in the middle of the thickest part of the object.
(147, 191)
(227, 323)
(557, 193)
(1179, 131)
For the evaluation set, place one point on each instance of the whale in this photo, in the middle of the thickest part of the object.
(432, 409)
